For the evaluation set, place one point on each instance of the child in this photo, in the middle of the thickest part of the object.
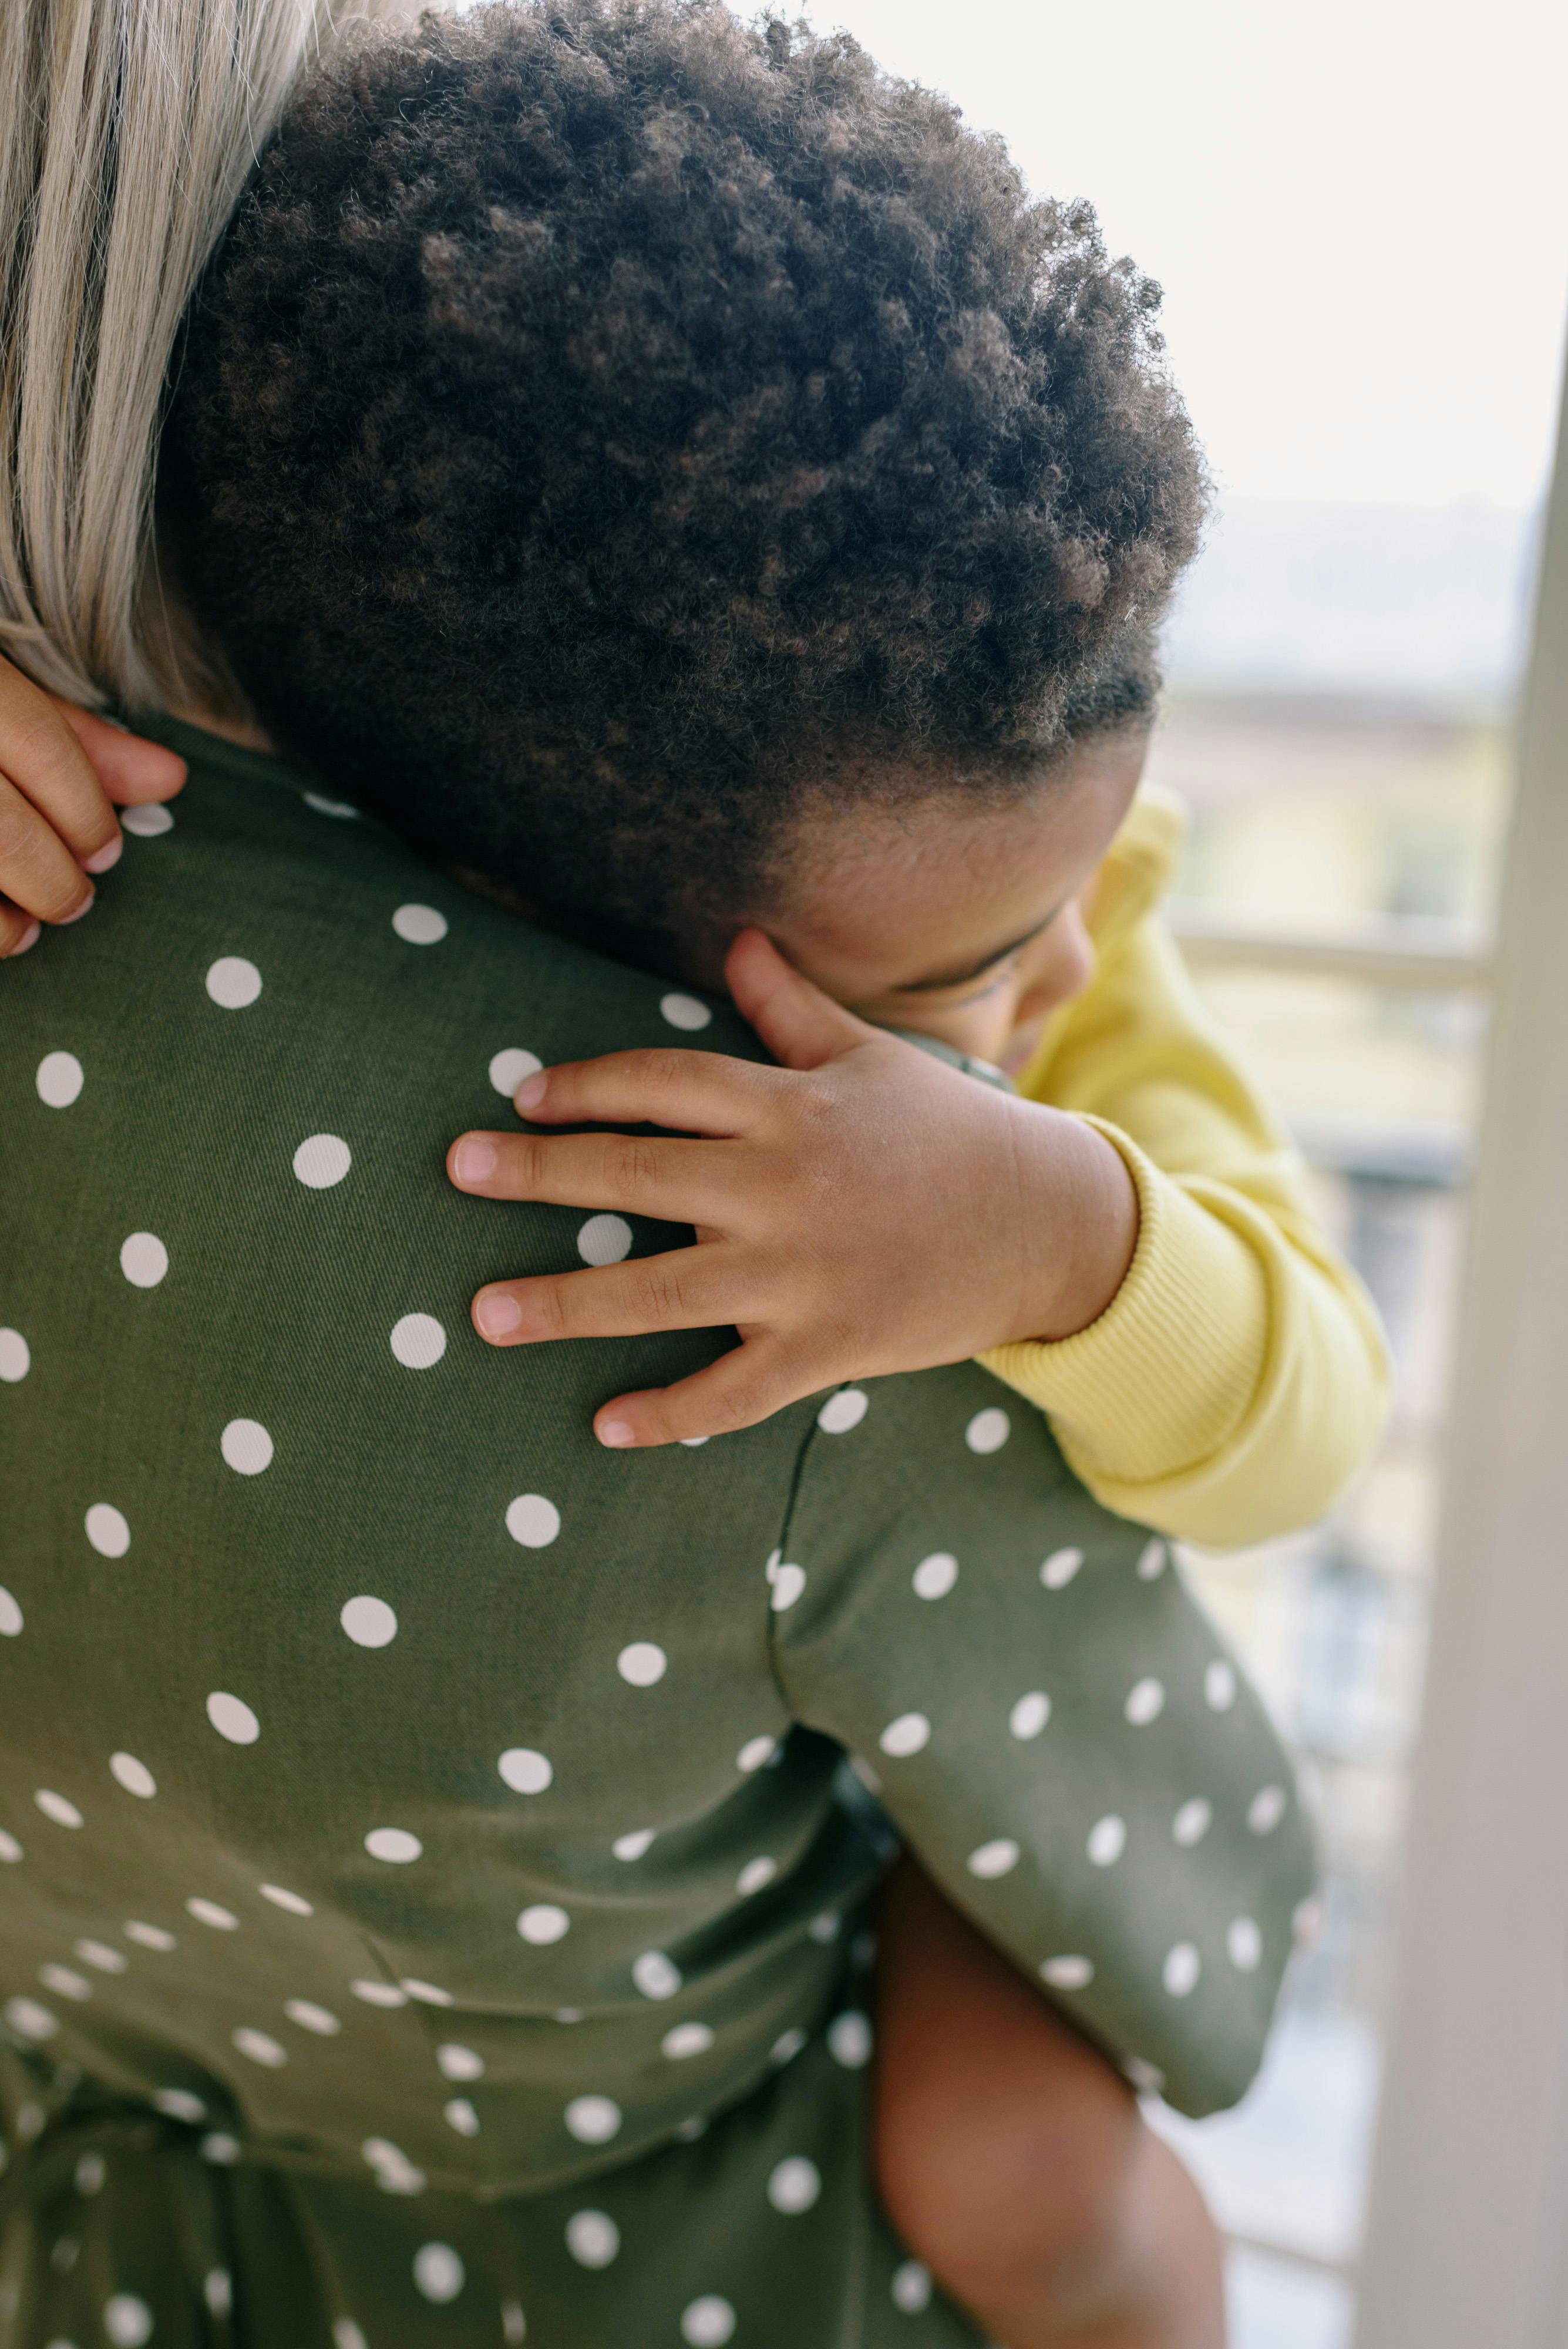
(940, 893)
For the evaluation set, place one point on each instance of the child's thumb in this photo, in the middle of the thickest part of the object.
(800, 1025)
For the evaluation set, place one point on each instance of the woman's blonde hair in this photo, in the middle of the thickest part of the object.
(127, 128)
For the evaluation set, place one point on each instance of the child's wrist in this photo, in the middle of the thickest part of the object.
(1086, 1232)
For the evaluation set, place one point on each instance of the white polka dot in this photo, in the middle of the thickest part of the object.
(844, 1410)
(849, 2038)
(935, 1576)
(10, 1850)
(1146, 1702)
(346, 2334)
(91, 2170)
(1107, 1841)
(632, 1845)
(106, 1530)
(143, 1259)
(514, 2324)
(568, 2014)
(824, 1927)
(127, 2321)
(426, 1993)
(150, 1937)
(508, 1069)
(593, 2238)
(993, 1859)
(755, 1874)
(756, 1752)
(100, 1954)
(218, 2291)
(246, 1446)
(685, 2039)
(65, 1981)
(369, 1622)
(395, 2173)
(321, 1160)
(418, 1340)
(989, 1430)
(260, 2046)
(1151, 1561)
(707, 2322)
(1219, 1686)
(525, 1771)
(28, 2020)
(685, 1011)
(438, 2273)
(460, 2115)
(380, 1993)
(643, 1664)
(786, 2046)
(789, 1581)
(11, 1616)
(604, 1239)
(345, 810)
(59, 1080)
(1244, 1945)
(133, 1776)
(1060, 1568)
(593, 2120)
(458, 2062)
(692, 1443)
(1192, 1821)
(911, 2288)
(1146, 2078)
(1030, 1715)
(794, 2185)
(179, 2104)
(148, 823)
(1067, 1972)
(420, 926)
(311, 2017)
(543, 1923)
(234, 983)
(15, 1357)
(1181, 1969)
(533, 1521)
(211, 1912)
(396, 1845)
(231, 1717)
(910, 1733)
(281, 1897)
(656, 1975)
(1266, 1809)
(63, 1811)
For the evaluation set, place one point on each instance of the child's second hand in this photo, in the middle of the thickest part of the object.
(860, 1209)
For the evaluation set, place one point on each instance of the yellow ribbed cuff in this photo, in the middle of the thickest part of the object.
(1164, 1377)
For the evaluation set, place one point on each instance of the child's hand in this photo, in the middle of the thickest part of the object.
(865, 1208)
(60, 769)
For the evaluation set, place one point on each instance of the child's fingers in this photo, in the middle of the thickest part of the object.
(800, 1025)
(132, 769)
(686, 1288)
(749, 1383)
(38, 870)
(19, 929)
(678, 1182)
(693, 1092)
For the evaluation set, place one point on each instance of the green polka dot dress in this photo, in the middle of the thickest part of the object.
(435, 1851)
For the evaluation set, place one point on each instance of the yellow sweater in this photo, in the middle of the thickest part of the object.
(1238, 1379)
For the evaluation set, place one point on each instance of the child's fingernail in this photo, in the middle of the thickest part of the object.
(29, 938)
(67, 920)
(617, 1433)
(530, 1093)
(496, 1314)
(475, 1162)
(109, 854)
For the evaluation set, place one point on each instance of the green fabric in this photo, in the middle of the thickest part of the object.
(314, 1599)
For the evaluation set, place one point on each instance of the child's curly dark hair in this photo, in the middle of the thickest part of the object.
(603, 421)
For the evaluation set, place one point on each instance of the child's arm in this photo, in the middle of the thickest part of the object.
(62, 770)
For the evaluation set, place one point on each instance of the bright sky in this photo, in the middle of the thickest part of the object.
(1358, 210)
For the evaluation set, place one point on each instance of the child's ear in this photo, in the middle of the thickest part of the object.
(800, 1025)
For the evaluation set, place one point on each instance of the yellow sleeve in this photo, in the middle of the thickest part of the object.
(1238, 1379)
